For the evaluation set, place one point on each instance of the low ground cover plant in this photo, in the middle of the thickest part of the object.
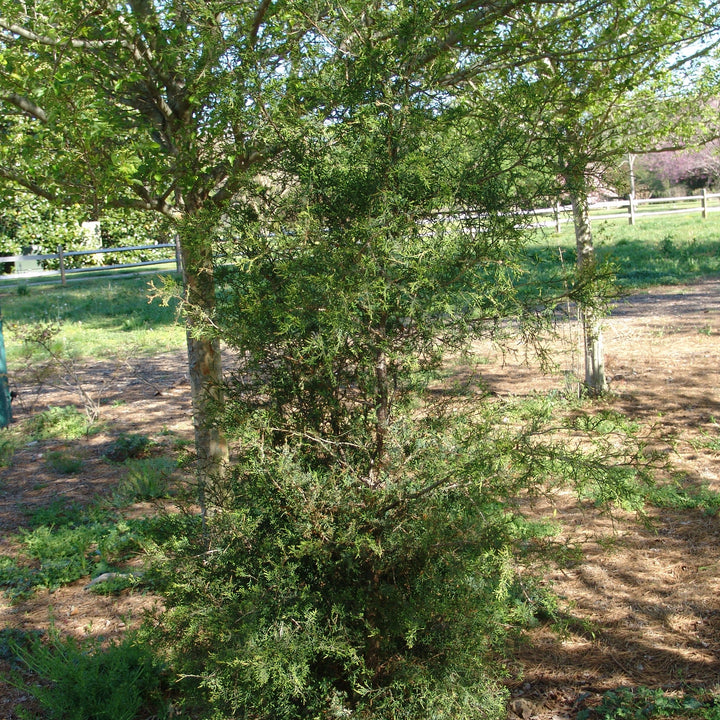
(644, 702)
(128, 445)
(62, 423)
(85, 681)
(67, 543)
(145, 479)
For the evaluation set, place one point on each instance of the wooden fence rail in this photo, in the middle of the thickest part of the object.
(630, 209)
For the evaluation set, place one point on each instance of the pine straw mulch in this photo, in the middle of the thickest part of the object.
(641, 605)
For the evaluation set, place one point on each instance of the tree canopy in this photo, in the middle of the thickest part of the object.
(348, 182)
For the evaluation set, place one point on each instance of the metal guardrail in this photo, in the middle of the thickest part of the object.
(28, 266)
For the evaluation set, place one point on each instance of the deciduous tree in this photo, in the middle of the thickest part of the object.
(607, 80)
(160, 106)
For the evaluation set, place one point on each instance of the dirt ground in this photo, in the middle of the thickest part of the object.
(645, 598)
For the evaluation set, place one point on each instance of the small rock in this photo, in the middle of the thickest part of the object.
(109, 576)
(523, 708)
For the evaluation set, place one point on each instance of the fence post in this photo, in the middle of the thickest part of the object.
(704, 203)
(178, 253)
(631, 209)
(557, 217)
(62, 263)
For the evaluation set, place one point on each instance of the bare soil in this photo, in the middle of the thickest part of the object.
(644, 598)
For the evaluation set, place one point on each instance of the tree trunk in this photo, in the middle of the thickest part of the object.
(205, 371)
(205, 366)
(595, 380)
(382, 418)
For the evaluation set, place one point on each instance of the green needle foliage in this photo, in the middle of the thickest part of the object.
(363, 557)
(120, 682)
(316, 593)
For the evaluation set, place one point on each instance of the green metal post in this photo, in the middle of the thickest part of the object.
(5, 409)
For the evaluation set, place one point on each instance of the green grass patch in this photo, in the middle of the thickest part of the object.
(57, 512)
(709, 440)
(62, 554)
(99, 318)
(64, 463)
(66, 541)
(9, 443)
(146, 479)
(643, 702)
(85, 681)
(59, 423)
(128, 445)
(676, 497)
(73, 545)
(667, 250)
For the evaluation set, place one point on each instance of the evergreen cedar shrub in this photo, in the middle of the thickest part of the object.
(360, 560)
(313, 595)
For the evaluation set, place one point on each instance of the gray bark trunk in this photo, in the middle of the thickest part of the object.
(205, 369)
(595, 380)
(205, 372)
(631, 164)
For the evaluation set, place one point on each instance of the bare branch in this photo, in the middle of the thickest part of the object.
(54, 42)
(26, 105)
(27, 184)
(159, 205)
(258, 20)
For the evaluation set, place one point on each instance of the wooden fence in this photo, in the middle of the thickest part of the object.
(631, 209)
(27, 267)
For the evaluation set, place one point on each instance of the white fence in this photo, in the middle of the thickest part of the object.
(29, 266)
(631, 209)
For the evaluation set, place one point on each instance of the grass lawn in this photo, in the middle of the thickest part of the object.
(98, 318)
(106, 317)
(666, 250)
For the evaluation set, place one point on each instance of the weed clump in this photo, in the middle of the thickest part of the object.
(72, 546)
(128, 445)
(87, 682)
(64, 463)
(644, 702)
(146, 479)
(61, 423)
(8, 445)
